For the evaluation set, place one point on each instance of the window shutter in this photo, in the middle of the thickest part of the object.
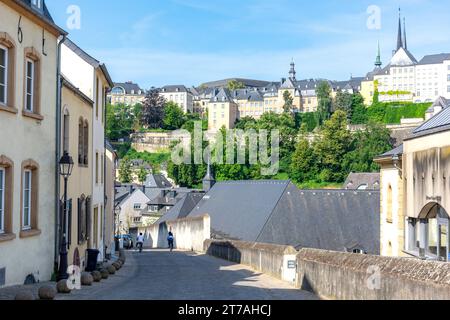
(69, 223)
(80, 222)
(88, 218)
(80, 143)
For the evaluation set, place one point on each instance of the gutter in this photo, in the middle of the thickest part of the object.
(58, 151)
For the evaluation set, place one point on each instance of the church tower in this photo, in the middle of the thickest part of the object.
(378, 62)
(292, 72)
(208, 181)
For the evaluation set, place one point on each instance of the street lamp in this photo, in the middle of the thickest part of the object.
(65, 170)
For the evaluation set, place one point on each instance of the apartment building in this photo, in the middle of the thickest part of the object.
(28, 91)
(180, 95)
(405, 78)
(93, 80)
(127, 93)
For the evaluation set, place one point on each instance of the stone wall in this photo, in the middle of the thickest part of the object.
(275, 260)
(189, 233)
(154, 142)
(345, 276)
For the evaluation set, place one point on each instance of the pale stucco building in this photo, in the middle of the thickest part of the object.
(28, 94)
(180, 95)
(93, 80)
(415, 199)
(127, 93)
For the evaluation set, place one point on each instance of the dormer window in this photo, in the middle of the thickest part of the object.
(37, 4)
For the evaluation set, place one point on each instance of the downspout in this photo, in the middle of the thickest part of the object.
(58, 152)
(106, 199)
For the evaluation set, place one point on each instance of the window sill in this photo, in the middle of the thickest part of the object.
(30, 233)
(32, 115)
(7, 237)
(8, 109)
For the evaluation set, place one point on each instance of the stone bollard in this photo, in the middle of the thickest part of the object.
(86, 279)
(117, 266)
(25, 296)
(111, 269)
(47, 293)
(97, 276)
(104, 273)
(62, 287)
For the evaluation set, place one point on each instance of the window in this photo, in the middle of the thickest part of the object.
(96, 167)
(29, 86)
(448, 77)
(86, 143)
(2, 200)
(26, 206)
(81, 142)
(101, 168)
(37, 4)
(137, 206)
(3, 75)
(66, 124)
(95, 234)
(32, 84)
(96, 98)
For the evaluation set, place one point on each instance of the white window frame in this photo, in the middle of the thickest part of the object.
(136, 206)
(31, 109)
(24, 205)
(6, 74)
(2, 197)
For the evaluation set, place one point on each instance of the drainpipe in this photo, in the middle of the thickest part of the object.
(58, 151)
(104, 176)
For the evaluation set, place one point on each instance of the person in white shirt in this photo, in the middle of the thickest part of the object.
(140, 241)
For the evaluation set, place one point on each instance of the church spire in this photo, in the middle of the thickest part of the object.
(208, 181)
(292, 72)
(378, 62)
(405, 44)
(399, 37)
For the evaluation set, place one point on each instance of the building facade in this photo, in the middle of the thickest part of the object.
(180, 95)
(405, 78)
(28, 82)
(76, 132)
(415, 208)
(93, 80)
(127, 93)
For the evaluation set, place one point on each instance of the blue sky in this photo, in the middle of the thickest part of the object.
(159, 42)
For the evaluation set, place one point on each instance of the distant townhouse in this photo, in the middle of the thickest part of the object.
(405, 78)
(92, 78)
(222, 111)
(28, 122)
(127, 93)
(180, 95)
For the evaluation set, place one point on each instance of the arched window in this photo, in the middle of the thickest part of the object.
(66, 130)
(81, 141)
(7, 72)
(86, 143)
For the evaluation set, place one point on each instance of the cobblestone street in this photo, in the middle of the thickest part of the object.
(161, 275)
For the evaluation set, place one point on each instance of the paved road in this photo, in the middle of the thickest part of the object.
(161, 275)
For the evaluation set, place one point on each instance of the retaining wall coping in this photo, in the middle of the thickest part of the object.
(408, 268)
(273, 248)
(188, 219)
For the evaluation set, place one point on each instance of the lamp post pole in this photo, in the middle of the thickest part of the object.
(63, 265)
(65, 167)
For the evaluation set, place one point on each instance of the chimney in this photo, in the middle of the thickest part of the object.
(131, 188)
(143, 188)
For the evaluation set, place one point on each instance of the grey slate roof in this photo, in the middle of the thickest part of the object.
(356, 180)
(333, 220)
(439, 123)
(435, 58)
(240, 209)
(174, 88)
(223, 95)
(394, 152)
(183, 207)
(157, 181)
(129, 87)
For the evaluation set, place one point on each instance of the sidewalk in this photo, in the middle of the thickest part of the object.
(9, 293)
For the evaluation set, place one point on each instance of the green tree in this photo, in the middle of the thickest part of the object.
(235, 85)
(367, 144)
(359, 114)
(125, 174)
(325, 102)
(173, 116)
(142, 175)
(332, 145)
(376, 94)
(288, 102)
(303, 163)
(344, 102)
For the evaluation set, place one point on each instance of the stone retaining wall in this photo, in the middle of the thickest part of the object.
(275, 260)
(346, 276)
